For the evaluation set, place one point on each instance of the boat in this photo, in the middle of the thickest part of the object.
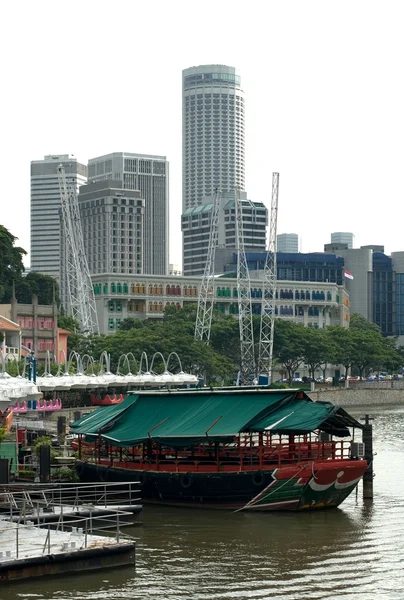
(237, 448)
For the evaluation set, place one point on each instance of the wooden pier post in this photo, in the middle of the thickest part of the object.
(367, 437)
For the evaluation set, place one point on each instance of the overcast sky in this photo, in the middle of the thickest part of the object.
(323, 91)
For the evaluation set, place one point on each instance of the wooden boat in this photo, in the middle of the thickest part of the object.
(240, 448)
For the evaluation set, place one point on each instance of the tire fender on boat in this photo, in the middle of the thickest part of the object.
(186, 480)
(103, 473)
(141, 478)
(258, 478)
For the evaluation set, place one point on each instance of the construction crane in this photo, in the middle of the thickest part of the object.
(269, 291)
(207, 291)
(247, 363)
(75, 273)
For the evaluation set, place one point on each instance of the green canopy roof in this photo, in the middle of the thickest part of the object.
(92, 423)
(185, 418)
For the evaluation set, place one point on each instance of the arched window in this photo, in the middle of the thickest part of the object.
(119, 288)
(329, 297)
(307, 295)
(125, 288)
(105, 288)
(297, 295)
(113, 288)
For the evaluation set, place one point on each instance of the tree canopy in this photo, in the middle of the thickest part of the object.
(11, 263)
(12, 269)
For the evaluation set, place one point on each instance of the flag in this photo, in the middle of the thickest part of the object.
(348, 274)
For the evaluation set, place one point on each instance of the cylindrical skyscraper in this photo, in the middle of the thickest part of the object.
(212, 132)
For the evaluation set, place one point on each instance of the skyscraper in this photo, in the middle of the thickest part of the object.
(196, 223)
(212, 132)
(287, 242)
(149, 175)
(45, 207)
(342, 237)
(112, 221)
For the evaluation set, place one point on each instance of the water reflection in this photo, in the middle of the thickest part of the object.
(355, 552)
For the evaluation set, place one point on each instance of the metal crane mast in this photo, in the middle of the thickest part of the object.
(74, 267)
(269, 291)
(247, 367)
(207, 291)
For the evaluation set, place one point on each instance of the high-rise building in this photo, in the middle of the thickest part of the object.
(287, 242)
(342, 237)
(196, 224)
(212, 132)
(45, 209)
(112, 222)
(148, 174)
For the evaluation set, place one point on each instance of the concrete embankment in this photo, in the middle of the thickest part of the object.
(360, 397)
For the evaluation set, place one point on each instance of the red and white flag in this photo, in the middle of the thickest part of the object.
(348, 274)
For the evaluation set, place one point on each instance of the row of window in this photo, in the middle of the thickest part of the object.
(192, 290)
(31, 323)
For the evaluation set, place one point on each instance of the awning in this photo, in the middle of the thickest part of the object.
(90, 425)
(185, 418)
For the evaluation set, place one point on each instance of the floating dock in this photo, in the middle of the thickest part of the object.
(30, 551)
(47, 531)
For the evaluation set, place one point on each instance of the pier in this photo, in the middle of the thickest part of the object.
(48, 530)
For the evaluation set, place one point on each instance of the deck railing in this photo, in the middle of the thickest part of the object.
(247, 453)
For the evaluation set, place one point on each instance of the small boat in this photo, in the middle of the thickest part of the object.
(251, 449)
(107, 400)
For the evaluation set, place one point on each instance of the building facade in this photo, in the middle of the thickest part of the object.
(10, 334)
(287, 242)
(315, 304)
(39, 327)
(112, 222)
(150, 175)
(196, 224)
(342, 237)
(213, 141)
(45, 209)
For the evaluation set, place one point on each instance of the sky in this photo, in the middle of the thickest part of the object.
(323, 93)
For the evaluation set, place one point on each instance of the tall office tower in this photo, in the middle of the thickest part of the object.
(112, 221)
(212, 132)
(287, 242)
(45, 209)
(196, 223)
(342, 237)
(149, 175)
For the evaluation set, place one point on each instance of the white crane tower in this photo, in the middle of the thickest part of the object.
(207, 291)
(247, 363)
(269, 291)
(74, 268)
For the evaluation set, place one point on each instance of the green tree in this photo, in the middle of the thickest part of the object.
(289, 345)
(130, 323)
(342, 340)
(357, 321)
(316, 349)
(43, 286)
(11, 263)
(68, 323)
(369, 349)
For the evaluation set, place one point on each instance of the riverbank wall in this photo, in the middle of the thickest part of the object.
(359, 397)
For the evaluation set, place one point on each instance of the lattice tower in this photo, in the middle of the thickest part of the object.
(269, 290)
(74, 267)
(207, 290)
(247, 366)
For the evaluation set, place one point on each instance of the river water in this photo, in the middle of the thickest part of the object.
(354, 552)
